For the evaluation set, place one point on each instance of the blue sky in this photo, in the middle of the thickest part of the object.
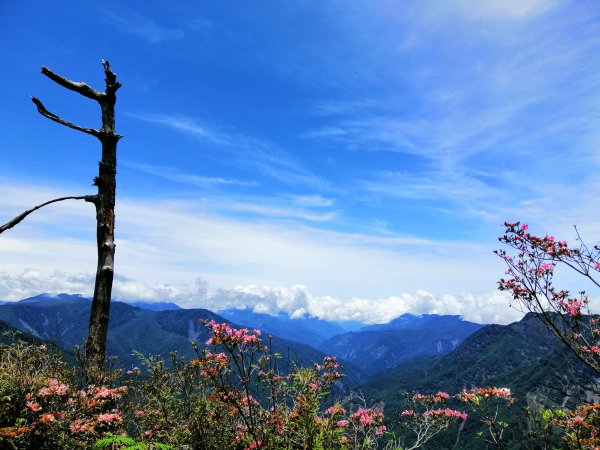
(343, 159)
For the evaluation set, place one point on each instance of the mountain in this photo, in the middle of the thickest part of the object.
(413, 322)
(308, 330)
(379, 347)
(60, 299)
(523, 356)
(64, 320)
(9, 335)
(155, 306)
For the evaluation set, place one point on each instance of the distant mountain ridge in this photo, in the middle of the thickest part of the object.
(64, 319)
(155, 306)
(372, 347)
(414, 321)
(308, 330)
(379, 347)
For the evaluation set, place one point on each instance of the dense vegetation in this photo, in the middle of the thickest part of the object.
(232, 395)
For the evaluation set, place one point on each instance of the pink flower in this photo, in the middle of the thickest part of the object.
(34, 406)
(54, 387)
(48, 418)
(341, 423)
(450, 413)
(333, 410)
(111, 417)
(82, 426)
(364, 416)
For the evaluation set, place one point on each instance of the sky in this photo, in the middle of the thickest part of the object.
(347, 160)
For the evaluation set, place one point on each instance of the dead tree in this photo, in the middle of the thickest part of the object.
(104, 201)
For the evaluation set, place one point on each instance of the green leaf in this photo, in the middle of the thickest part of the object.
(111, 440)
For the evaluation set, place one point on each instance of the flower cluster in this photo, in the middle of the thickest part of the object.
(439, 397)
(426, 416)
(472, 395)
(223, 334)
(446, 412)
(581, 427)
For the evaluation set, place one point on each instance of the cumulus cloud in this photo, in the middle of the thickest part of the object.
(296, 300)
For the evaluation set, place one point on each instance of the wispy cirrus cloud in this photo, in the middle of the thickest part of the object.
(261, 155)
(504, 9)
(488, 117)
(179, 176)
(142, 27)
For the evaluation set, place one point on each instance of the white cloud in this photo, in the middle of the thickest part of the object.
(295, 300)
(312, 200)
(298, 301)
(173, 242)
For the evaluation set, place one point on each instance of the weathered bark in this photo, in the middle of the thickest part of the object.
(104, 201)
(95, 347)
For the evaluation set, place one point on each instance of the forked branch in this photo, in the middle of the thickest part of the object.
(8, 225)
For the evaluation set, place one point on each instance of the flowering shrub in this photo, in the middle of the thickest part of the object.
(579, 427)
(426, 416)
(44, 409)
(231, 396)
(485, 403)
(530, 281)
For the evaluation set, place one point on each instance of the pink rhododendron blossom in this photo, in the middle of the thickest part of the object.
(447, 412)
(54, 388)
(34, 406)
(111, 417)
(335, 409)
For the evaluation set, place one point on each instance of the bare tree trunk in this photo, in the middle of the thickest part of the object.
(104, 201)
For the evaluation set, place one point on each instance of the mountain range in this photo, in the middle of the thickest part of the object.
(63, 319)
(379, 347)
(412, 353)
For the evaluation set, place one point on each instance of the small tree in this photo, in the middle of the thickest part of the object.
(530, 281)
(104, 201)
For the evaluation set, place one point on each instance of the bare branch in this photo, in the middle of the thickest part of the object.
(44, 112)
(8, 225)
(78, 87)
